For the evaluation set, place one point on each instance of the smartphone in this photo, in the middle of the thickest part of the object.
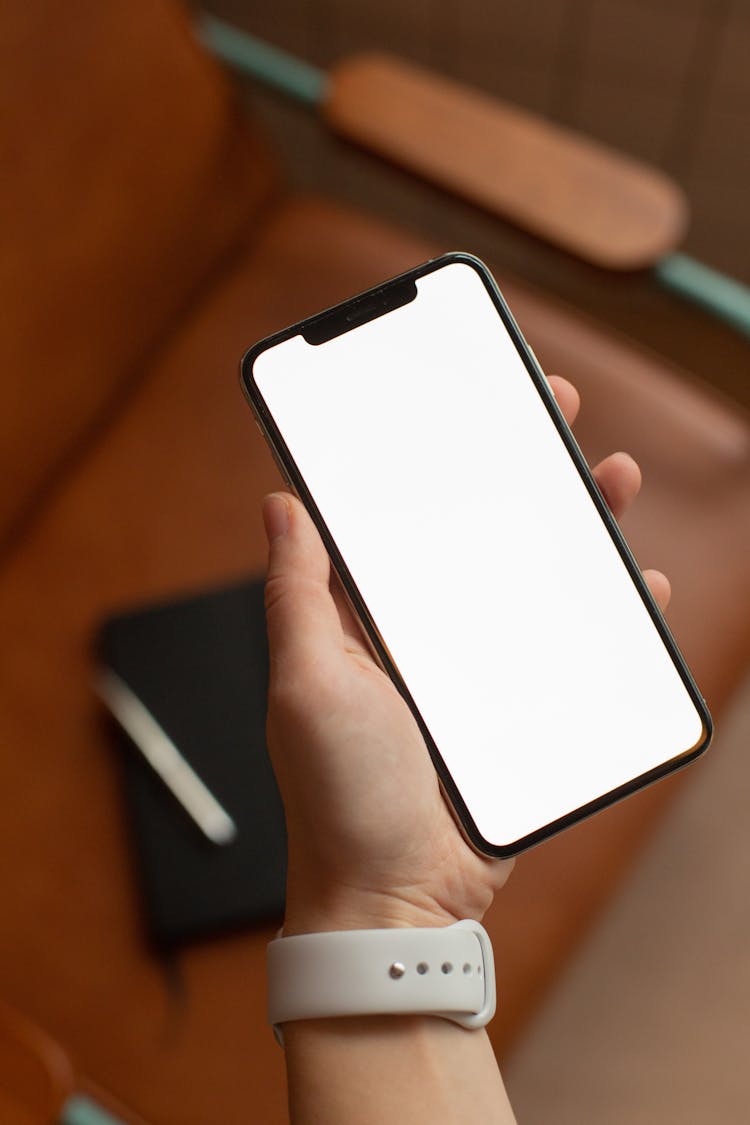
(487, 572)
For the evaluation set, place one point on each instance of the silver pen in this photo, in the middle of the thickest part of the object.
(164, 758)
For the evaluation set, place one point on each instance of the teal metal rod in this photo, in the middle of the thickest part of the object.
(270, 65)
(727, 299)
(80, 1110)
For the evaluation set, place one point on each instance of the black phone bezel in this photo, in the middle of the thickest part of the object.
(339, 314)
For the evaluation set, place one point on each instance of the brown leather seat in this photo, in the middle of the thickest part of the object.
(36, 1078)
(160, 495)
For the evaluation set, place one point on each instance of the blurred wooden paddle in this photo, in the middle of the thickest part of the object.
(609, 210)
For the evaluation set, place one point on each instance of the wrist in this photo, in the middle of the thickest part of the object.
(347, 909)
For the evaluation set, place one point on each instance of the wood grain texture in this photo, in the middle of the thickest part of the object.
(604, 207)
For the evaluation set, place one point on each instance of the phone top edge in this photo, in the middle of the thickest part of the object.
(463, 257)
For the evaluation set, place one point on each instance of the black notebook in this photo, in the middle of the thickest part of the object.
(200, 667)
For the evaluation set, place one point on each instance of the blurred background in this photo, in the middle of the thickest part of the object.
(182, 180)
(663, 81)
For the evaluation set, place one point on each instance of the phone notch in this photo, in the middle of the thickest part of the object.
(353, 314)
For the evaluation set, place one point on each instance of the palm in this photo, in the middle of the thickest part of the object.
(378, 807)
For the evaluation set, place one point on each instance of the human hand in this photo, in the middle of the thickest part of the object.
(372, 842)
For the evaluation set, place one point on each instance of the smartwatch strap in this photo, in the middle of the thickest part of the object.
(445, 971)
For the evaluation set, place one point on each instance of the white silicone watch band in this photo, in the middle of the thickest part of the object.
(445, 971)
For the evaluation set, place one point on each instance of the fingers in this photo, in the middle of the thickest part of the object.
(659, 586)
(567, 397)
(301, 616)
(618, 476)
(619, 479)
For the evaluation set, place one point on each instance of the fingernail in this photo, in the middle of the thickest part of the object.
(275, 516)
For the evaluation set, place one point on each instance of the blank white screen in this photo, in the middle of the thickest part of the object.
(483, 562)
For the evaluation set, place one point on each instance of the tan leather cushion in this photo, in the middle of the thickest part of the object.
(168, 501)
(126, 179)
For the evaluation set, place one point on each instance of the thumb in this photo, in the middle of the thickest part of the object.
(301, 615)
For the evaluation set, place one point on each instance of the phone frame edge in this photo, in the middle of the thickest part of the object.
(294, 479)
